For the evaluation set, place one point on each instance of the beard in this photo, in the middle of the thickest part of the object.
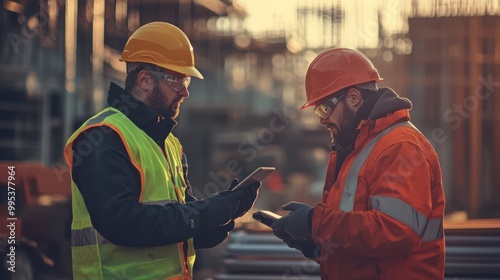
(160, 103)
(341, 135)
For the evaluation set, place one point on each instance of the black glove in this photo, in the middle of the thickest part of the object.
(297, 223)
(218, 209)
(308, 248)
(248, 199)
(212, 237)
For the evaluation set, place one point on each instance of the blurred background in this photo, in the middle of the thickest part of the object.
(58, 57)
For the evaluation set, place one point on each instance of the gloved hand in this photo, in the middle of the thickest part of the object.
(248, 199)
(218, 209)
(308, 248)
(298, 223)
(212, 237)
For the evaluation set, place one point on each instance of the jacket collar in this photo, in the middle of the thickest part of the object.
(389, 109)
(155, 126)
(369, 128)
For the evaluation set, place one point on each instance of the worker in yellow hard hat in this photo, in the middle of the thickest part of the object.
(134, 215)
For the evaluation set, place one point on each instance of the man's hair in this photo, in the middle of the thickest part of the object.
(131, 80)
(367, 89)
(372, 86)
(134, 72)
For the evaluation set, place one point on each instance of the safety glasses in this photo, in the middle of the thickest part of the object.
(176, 82)
(325, 108)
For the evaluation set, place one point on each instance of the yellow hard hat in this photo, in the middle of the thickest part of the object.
(164, 45)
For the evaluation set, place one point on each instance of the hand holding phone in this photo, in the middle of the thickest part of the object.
(266, 217)
(258, 175)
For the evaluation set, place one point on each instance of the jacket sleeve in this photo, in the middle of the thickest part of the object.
(110, 186)
(399, 198)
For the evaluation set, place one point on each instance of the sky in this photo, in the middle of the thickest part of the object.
(360, 26)
(275, 15)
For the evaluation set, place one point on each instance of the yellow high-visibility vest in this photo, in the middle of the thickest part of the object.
(162, 181)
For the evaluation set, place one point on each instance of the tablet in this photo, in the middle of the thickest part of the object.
(258, 175)
(266, 217)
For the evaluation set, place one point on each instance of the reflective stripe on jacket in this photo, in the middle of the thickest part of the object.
(162, 182)
(382, 217)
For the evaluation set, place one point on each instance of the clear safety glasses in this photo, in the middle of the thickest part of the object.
(325, 109)
(176, 82)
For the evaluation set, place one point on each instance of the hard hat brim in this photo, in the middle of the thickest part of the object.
(306, 105)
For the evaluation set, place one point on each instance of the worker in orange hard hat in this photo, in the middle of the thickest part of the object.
(134, 213)
(381, 214)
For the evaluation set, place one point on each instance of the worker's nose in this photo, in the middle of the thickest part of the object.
(323, 122)
(184, 92)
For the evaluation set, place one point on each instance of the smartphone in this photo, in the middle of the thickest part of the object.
(266, 217)
(258, 175)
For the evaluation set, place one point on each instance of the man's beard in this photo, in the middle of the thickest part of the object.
(159, 102)
(342, 135)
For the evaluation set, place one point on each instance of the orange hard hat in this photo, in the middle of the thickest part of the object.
(335, 69)
(164, 45)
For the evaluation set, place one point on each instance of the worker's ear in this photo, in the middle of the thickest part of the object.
(144, 80)
(354, 99)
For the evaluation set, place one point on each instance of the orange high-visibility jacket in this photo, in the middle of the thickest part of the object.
(382, 218)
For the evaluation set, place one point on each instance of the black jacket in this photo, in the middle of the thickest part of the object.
(111, 185)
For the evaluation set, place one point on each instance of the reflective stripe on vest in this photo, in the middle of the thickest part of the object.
(100, 117)
(86, 236)
(427, 229)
